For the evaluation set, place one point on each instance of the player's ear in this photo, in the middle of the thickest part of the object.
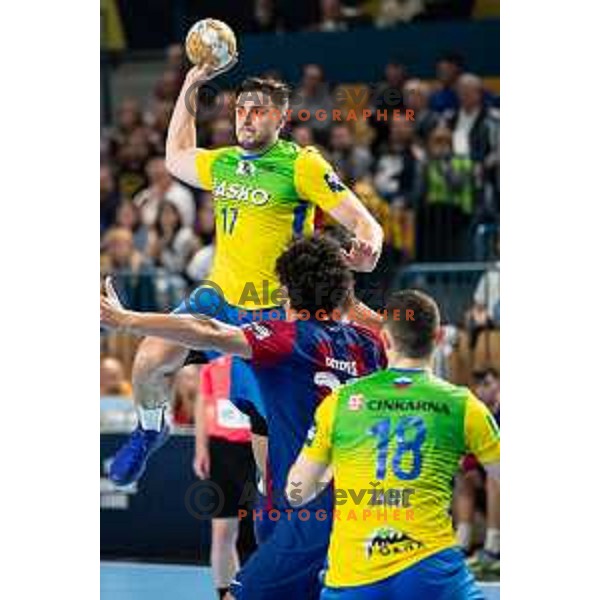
(438, 336)
(282, 116)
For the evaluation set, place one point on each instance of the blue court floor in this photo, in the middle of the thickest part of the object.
(136, 581)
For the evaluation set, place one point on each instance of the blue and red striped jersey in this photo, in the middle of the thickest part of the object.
(297, 364)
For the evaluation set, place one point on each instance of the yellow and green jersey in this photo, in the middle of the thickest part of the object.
(394, 440)
(260, 203)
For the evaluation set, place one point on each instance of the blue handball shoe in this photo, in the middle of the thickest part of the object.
(130, 461)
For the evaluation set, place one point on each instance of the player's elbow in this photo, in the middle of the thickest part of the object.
(172, 162)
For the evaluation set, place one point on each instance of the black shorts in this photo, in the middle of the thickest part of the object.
(232, 470)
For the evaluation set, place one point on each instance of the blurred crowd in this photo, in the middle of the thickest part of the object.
(152, 25)
(341, 15)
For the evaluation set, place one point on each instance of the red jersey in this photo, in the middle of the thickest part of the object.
(222, 418)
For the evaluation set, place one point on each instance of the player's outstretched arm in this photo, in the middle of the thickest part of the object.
(317, 182)
(181, 150)
(368, 241)
(186, 330)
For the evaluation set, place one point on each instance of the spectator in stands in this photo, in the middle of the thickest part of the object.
(266, 18)
(398, 167)
(487, 389)
(475, 128)
(332, 18)
(206, 220)
(175, 57)
(132, 272)
(187, 384)
(176, 61)
(128, 217)
(112, 378)
(158, 124)
(312, 96)
(392, 12)
(351, 161)
(168, 86)
(416, 97)
(163, 187)
(129, 118)
(448, 70)
(171, 244)
(222, 134)
(388, 96)
(303, 135)
(484, 315)
(445, 212)
(109, 198)
(131, 161)
(225, 102)
(217, 108)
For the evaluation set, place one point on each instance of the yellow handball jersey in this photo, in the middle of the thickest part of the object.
(394, 440)
(261, 202)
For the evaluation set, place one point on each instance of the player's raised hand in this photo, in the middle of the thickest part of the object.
(199, 74)
(362, 255)
(112, 313)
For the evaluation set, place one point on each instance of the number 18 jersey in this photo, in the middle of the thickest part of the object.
(394, 439)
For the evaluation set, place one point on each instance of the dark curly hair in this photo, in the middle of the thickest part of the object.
(315, 274)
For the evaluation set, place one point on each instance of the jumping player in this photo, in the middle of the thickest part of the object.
(401, 431)
(265, 192)
(297, 363)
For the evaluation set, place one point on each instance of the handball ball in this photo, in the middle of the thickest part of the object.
(211, 41)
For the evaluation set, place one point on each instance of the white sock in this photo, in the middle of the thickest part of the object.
(492, 541)
(151, 419)
(463, 534)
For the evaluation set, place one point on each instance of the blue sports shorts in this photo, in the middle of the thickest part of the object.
(442, 576)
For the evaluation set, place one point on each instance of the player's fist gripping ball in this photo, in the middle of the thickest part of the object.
(211, 42)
